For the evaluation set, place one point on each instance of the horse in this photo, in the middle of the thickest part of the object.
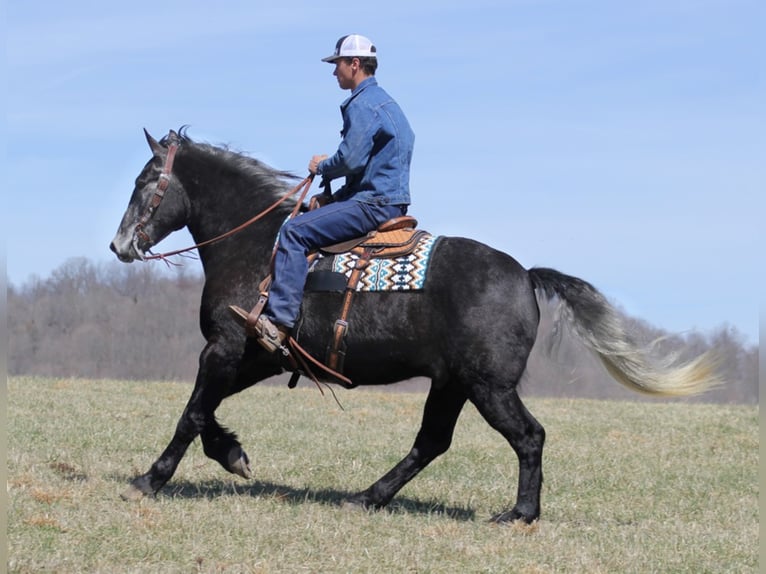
(470, 330)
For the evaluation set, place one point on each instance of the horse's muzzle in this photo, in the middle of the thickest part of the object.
(127, 251)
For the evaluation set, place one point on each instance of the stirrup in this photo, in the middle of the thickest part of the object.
(268, 335)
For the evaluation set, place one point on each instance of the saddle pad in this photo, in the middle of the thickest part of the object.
(407, 273)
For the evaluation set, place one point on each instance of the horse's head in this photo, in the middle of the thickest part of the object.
(158, 206)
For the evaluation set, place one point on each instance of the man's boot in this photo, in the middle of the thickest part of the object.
(270, 336)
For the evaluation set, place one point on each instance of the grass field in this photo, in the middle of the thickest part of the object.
(630, 487)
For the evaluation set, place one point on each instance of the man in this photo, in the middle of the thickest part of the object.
(374, 156)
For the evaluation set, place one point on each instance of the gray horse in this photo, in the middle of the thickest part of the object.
(470, 330)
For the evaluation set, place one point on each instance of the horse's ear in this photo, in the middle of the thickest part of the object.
(153, 143)
(173, 137)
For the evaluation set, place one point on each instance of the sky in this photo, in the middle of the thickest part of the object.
(620, 142)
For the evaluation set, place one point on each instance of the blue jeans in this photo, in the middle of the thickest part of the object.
(333, 223)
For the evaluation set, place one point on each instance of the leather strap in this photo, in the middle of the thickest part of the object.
(255, 312)
(303, 187)
(336, 353)
(305, 359)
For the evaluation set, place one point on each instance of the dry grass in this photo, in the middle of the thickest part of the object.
(630, 487)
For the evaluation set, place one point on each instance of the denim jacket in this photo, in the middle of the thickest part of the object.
(376, 149)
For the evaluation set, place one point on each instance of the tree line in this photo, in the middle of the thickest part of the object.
(140, 322)
(106, 321)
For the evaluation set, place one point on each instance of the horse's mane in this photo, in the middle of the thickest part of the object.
(261, 174)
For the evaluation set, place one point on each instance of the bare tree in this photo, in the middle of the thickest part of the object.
(132, 322)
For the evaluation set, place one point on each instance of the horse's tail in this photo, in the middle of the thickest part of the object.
(600, 327)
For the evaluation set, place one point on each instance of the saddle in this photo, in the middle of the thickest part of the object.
(394, 238)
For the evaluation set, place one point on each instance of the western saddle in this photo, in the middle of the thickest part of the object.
(394, 238)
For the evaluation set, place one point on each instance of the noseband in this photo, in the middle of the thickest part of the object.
(159, 192)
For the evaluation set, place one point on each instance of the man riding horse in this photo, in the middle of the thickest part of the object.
(470, 331)
(374, 156)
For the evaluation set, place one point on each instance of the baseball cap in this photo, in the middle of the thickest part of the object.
(352, 46)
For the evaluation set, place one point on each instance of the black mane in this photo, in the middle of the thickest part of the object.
(223, 158)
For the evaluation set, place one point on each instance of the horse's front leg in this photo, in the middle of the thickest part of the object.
(219, 443)
(215, 381)
(188, 427)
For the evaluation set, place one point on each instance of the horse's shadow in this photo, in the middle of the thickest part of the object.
(212, 489)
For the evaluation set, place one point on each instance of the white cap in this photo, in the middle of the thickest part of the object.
(352, 46)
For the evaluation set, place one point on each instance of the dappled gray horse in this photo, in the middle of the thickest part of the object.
(470, 330)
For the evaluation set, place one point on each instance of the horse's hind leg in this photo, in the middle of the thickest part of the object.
(435, 436)
(504, 411)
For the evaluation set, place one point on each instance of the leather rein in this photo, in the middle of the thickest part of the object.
(162, 185)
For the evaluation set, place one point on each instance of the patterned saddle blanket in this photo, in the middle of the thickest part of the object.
(394, 261)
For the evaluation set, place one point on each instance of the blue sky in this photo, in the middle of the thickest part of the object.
(621, 142)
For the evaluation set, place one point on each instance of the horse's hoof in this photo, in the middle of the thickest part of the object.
(132, 493)
(359, 502)
(139, 488)
(512, 517)
(239, 463)
(353, 505)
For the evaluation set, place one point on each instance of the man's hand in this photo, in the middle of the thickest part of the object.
(319, 200)
(315, 162)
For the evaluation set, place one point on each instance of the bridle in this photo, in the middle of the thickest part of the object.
(162, 185)
(159, 192)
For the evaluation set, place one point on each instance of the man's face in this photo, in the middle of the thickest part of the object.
(346, 71)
